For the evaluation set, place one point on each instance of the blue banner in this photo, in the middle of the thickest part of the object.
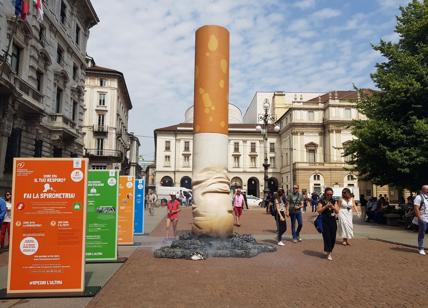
(139, 207)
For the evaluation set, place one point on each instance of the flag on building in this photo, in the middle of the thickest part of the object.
(18, 7)
(25, 9)
(39, 10)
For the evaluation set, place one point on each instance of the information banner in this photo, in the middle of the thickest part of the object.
(47, 251)
(139, 207)
(126, 210)
(101, 215)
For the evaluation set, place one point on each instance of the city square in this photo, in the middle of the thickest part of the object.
(213, 153)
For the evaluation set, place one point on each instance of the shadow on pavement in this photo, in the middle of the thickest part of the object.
(404, 249)
(314, 253)
(270, 231)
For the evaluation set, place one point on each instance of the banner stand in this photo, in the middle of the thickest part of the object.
(118, 260)
(90, 291)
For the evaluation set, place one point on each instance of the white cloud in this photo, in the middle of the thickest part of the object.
(304, 4)
(274, 46)
(326, 13)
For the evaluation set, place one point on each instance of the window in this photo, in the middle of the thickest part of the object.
(186, 161)
(253, 147)
(13, 149)
(42, 34)
(63, 12)
(77, 36)
(301, 97)
(167, 145)
(272, 162)
(272, 147)
(39, 81)
(286, 158)
(351, 177)
(75, 72)
(101, 99)
(57, 152)
(74, 111)
(103, 82)
(236, 161)
(311, 115)
(236, 147)
(100, 120)
(317, 188)
(253, 162)
(100, 146)
(99, 167)
(348, 113)
(186, 146)
(38, 148)
(15, 58)
(311, 156)
(167, 162)
(59, 54)
(58, 100)
(317, 177)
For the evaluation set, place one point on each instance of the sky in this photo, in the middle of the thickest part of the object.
(275, 45)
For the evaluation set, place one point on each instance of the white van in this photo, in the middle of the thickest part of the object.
(163, 192)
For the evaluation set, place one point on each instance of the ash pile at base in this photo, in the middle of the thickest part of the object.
(189, 247)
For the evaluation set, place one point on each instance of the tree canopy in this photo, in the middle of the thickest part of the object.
(391, 146)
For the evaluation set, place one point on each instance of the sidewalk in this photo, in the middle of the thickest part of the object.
(373, 273)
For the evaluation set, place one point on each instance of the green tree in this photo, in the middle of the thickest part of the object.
(392, 144)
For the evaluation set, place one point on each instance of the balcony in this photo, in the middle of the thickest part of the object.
(101, 107)
(66, 127)
(104, 153)
(100, 129)
(31, 98)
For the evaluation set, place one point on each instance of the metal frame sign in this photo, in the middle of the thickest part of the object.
(101, 215)
(47, 251)
(139, 207)
(126, 210)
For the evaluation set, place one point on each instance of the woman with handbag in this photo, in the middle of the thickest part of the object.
(347, 206)
(280, 216)
(328, 209)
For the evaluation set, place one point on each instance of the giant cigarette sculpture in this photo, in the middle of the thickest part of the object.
(212, 211)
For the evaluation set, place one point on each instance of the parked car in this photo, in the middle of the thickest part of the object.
(254, 201)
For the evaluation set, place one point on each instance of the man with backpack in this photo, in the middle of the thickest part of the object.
(421, 212)
(295, 205)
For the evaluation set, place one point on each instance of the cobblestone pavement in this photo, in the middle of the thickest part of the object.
(367, 274)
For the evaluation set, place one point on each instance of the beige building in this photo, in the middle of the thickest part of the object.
(308, 149)
(42, 82)
(107, 104)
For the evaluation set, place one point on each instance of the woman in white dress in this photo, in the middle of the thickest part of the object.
(346, 207)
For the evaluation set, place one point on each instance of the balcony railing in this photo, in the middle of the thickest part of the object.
(100, 128)
(60, 122)
(104, 153)
(28, 93)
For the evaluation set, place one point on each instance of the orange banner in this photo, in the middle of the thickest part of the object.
(126, 211)
(211, 93)
(48, 227)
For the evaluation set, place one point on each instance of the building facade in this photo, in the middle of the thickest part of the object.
(42, 82)
(108, 145)
(308, 149)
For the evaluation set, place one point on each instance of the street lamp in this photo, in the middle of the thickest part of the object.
(266, 118)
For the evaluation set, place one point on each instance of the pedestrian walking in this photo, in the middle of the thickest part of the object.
(238, 205)
(3, 210)
(328, 209)
(245, 200)
(346, 207)
(151, 202)
(363, 206)
(314, 201)
(5, 226)
(280, 216)
(421, 213)
(295, 205)
(172, 216)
